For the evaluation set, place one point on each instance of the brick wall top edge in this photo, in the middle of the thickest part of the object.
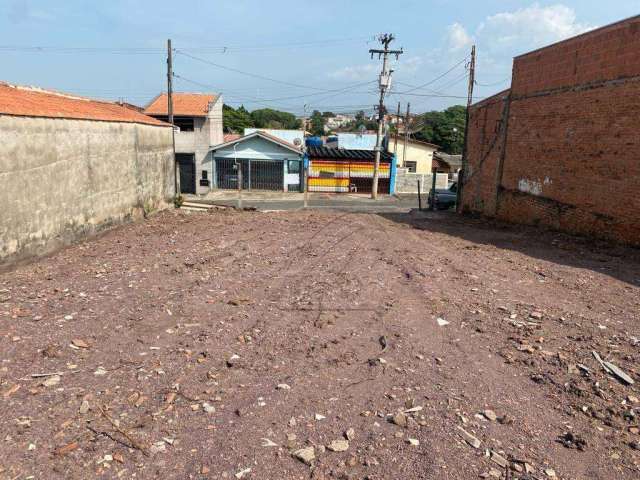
(498, 97)
(591, 33)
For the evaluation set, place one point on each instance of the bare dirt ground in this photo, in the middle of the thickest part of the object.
(226, 344)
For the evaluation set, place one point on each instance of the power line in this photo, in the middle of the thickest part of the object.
(249, 74)
(272, 100)
(158, 50)
(431, 82)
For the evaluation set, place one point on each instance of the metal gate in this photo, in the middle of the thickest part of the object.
(187, 169)
(256, 174)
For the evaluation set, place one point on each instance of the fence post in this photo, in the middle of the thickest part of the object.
(419, 196)
(239, 165)
(433, 191)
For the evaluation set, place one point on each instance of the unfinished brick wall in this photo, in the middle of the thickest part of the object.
(570, 139)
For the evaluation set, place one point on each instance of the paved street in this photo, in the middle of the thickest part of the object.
(266, 201)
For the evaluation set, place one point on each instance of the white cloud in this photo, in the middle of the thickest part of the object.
(457, 37)
(530, 27)
(355, 72)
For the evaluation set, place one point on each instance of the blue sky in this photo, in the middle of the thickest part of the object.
(115, 49)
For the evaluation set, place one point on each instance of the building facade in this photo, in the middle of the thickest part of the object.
(264, 162)
(560, 148)
(418, 157)
(198, 121)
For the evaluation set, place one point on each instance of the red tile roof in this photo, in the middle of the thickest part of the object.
(230, 137)
(33, 102)
(187, 104)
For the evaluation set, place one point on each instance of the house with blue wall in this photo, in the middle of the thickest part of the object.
(263, 160)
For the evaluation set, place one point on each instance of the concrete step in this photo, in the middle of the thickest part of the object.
(197, 206)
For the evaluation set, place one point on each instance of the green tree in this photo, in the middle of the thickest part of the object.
(269, 118)
(317, 123)
(444, 128)
(235, 121)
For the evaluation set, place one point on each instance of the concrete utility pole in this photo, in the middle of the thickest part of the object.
(463, 172)
(395, 144)
(385, 84)
(170, 113)
(406, 135)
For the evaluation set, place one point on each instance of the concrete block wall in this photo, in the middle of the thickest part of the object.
(63, 179)
(570, 149)
(407, 182)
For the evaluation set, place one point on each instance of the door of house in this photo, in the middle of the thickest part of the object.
(187, 169)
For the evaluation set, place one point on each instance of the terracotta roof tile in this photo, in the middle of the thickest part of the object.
(230, 137)
(187, 104)
(32, 102)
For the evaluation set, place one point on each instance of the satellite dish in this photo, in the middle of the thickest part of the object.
(297, 142)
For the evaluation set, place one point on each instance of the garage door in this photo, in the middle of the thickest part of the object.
(256, 174)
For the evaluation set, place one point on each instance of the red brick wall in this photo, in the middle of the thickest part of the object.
(485, 145)
(572, 158)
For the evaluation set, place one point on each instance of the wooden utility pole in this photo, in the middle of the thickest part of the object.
(170, 113)
(463, 172)
(385, 84)
(406, 135)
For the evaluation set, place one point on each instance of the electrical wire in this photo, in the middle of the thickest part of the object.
(420, 87)
(253, 75)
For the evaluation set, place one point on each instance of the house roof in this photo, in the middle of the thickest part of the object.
(34, 102)
(346, 154)
(262, 134)
(454, 161)
(230, 137)
(414, 141)
(184, 104)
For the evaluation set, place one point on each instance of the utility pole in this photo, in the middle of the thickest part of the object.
(385, 84)
(463, 172)
(170, 113)
(395, 144)
(406, 135)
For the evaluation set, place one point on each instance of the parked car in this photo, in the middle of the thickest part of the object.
(445, 198)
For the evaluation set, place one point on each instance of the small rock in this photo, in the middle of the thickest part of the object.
(268, 443)
(350, 434)
(100, 371)
(632, 399)
(305, 455)
(204, 470)
(413, 441)
(243, 472)
(233, 360)
(550, 472)
(84, 407)
(499, 459)
(400, 419)
(490, 415)
(536, 315)
(158, 447)
(208, 408)
(51, 381)
(79, 343)
(338, 445)
(442, 322)
(470, 439)
(283, 386)
(292, 422)
(319, 417)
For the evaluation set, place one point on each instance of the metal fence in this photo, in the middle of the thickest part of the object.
(256, 174)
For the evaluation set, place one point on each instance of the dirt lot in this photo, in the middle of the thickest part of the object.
(215, 345)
